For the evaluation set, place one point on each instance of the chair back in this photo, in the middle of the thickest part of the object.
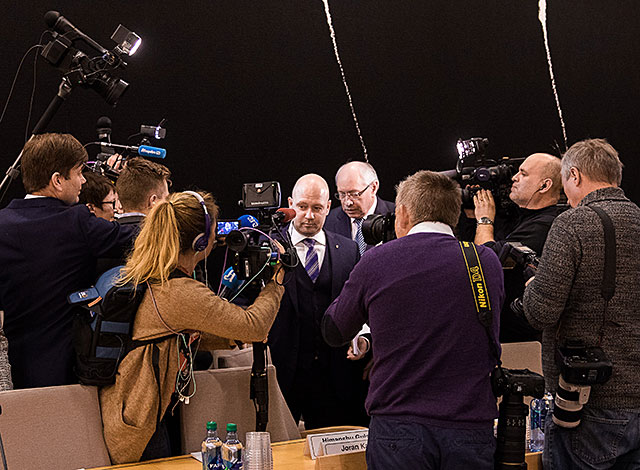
(55, 427)
(222, 395)
(522, 356)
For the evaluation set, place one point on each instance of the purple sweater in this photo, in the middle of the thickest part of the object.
(431, 354)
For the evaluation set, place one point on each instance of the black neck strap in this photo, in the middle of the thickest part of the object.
(480, 295)
(608, 286)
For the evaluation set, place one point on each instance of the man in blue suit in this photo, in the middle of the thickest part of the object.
(318, 382)
(357, 184)
(49, 245)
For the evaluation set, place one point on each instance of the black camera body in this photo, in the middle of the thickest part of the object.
(518, 381)
(582, 365)
(379, 228)
(255, 255)
(475, 171)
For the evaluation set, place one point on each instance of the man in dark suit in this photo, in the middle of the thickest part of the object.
(357, 184)
(48, 248)
(318, 382)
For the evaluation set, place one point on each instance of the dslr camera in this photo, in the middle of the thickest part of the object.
(379, 228)
(513, 385)
(255, 254)
(516, 255)
(580, 367)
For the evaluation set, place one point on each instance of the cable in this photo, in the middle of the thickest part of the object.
(15, 78)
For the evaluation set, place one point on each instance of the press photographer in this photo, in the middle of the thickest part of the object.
(585, 296)
(536, 190)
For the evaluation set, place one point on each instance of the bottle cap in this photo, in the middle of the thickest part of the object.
(212, 426)
(232, 427)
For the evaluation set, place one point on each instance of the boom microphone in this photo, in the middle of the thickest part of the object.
(58, 23)
(142, 150)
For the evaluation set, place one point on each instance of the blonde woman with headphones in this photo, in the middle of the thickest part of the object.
(178, 312)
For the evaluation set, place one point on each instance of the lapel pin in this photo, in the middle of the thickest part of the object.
(337, 246)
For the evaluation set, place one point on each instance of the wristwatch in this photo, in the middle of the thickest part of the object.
(484, 221)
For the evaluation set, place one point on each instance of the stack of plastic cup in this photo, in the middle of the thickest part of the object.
(257, 452)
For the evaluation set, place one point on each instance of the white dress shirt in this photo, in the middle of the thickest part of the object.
(301, 248)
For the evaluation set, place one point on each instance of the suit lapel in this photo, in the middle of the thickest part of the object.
(334, 252)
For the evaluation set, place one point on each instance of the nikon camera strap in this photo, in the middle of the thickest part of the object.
(480, 295)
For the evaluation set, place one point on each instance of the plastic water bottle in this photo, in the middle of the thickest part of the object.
(212, 449)
(540, 409)
(232, 449)
(536, 433)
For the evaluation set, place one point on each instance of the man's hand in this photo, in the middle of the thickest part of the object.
(484, 204)
(115, 161)
(363, 347)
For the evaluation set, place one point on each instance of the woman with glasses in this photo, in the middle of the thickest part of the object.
(99, 194)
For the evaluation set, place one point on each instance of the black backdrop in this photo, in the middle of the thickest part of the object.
(252, 91)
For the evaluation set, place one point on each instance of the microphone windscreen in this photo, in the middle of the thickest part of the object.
(289, 214)
(154, 152)
(248, 221)
(103, 122)
(230, 280)
(51, 17)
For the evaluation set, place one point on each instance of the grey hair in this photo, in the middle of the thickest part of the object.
(596, 158)
(365, 170)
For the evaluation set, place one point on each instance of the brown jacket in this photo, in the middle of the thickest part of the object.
(130, 406)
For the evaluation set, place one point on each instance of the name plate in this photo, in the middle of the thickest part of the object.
(333, 443)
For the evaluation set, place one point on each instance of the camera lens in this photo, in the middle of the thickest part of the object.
(567, 411)
(236, 240)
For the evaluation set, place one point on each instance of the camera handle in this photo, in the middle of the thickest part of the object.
(12, 173)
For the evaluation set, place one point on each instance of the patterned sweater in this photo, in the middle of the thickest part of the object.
(564, 298)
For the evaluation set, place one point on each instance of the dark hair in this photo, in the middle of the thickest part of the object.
(137, 180)
(46, 154)
(430, 197)
(95, 189)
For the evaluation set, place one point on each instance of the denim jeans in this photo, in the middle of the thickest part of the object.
(396, 443)
(604, 439)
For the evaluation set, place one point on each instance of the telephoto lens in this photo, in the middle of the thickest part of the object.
(569, 401)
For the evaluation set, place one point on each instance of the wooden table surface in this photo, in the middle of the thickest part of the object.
(287, 455)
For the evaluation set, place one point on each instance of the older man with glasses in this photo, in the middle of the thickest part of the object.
(357, 184)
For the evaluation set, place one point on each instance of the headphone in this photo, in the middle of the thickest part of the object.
(202, 239)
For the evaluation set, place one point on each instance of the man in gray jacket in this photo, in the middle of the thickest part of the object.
(565, 300)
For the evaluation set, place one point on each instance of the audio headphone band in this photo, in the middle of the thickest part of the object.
(201, 241)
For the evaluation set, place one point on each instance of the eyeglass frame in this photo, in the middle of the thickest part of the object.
(113, 203)
(352, 194)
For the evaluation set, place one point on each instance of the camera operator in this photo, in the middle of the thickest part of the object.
(49, 248)
(536, 190)
(357, 184)
(430, 397)
(568, 299)
(177, 234)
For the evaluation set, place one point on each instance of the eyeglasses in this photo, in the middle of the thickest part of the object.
(111, 203)
(351, 194)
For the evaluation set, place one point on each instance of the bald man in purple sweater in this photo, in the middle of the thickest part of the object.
(430, 396)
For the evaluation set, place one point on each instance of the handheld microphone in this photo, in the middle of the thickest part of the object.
(58, 23)
(248, 221)
(103, 128)
(284, 215)
(142, 150)
(230, 283)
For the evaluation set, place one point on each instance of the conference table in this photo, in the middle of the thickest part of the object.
(287, 455)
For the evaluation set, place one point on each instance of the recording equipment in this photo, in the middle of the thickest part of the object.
(142, 150)
(516, 255)
(230, 283)
(247, 220)
(261, 195)
(580, 368)
(513, 385)
(475, 171)
(103, 128)
(58, 23)
(379, 228)
(224, 227)
(201, 241)
(286, 214)
(157, 132)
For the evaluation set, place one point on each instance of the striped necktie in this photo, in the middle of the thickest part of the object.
(311, 264)
(362, 246)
